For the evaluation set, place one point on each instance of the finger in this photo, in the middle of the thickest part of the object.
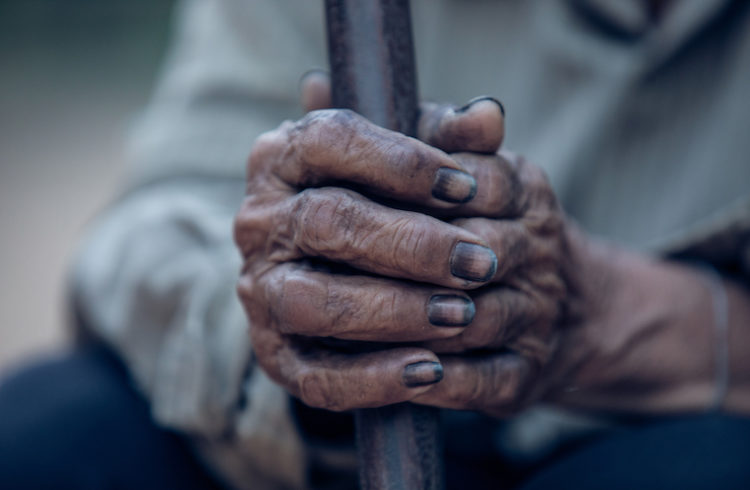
(307, 302)
(494, 383)
(499, 192)
(507, 187)
(340, 147)
(478, 127)
(343, 226)
(502, 314)
(511, 242)
(315, 91)
(517, 246)
(331, 380)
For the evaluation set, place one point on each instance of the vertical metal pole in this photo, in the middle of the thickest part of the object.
(373, 72)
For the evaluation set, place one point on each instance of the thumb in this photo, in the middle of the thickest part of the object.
(478, 127)
(315, 90)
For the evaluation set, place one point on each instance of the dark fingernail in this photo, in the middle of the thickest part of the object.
(422, 373)
(453, 185)
(447, 310)
(473, 262)
(475, 100)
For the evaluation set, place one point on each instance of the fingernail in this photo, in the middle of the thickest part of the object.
(422, 373)
(453, 185)
(476, 100)
(319, 72)
(473, 262)
(447, 310)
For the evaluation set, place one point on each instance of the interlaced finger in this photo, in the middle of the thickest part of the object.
(304, 301)
(502, 315)
(339, 147)
(343, 226)
(494, 383)
(332, 380)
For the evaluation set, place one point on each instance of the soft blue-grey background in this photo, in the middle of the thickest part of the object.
(73, 76)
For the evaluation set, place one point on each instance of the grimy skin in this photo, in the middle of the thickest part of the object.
(457, 260)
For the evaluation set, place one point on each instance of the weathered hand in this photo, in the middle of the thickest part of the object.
(496, 363)
(482, 286)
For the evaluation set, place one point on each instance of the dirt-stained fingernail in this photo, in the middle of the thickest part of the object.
(477, 100)
(473, 262)
(422, 373)
(453, 185)
(448, 310)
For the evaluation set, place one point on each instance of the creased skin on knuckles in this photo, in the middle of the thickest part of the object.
(314, 390)
(316, 189)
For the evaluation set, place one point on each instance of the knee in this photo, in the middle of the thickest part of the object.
(55, 421)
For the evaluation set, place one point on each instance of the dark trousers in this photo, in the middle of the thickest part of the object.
(75, 423)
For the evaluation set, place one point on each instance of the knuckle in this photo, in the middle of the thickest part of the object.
(546, 224)
(303, 201)
(257, 225)
(266, 151)
(320, 132)
(315, 390)
(342, 118)
(536, 186)
(506, 381)
(252, 300)
(464, 394)
(327, 118)
(267, 143)
(298, 151)
(506, 309)
(245, 289)
(551, 287)
(411, 242)
(312, 389)
(386, 308)
(324, 221)
(239, 226)
(501, 187)
(301, 306)
(515, 248)
(244, 220)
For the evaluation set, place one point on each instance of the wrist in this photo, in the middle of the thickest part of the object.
(639, 336)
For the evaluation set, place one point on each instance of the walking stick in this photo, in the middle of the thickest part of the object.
(373, 72)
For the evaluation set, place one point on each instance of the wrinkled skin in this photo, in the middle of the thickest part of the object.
(478, 290)
(380, 268)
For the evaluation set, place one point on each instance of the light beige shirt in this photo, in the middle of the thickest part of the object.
(642, 127)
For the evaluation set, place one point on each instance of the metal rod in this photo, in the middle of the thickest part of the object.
(373, 72)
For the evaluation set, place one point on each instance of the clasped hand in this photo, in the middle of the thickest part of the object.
(445, 255)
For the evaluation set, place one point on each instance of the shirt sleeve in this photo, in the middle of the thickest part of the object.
(155, 276)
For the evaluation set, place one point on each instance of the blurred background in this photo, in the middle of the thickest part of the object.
(74, 75)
